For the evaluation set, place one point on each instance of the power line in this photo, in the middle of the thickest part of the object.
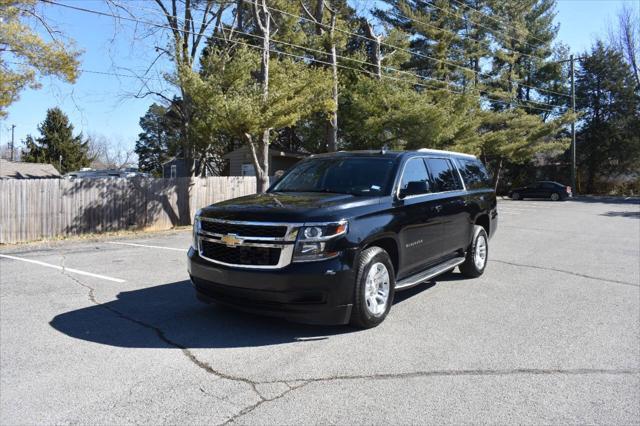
(260, 48)
(479, 73)
(369, 63)
(493, 18)
(112, 74)
(297, 56)
(462, 67)
(486, 43)
(482, 26)
(383, 43)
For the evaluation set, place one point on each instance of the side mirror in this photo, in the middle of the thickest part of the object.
(415, 188)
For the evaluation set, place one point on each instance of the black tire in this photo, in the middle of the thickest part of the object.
(515, 196)
(469, 267)
(555, 197)
(360, 315)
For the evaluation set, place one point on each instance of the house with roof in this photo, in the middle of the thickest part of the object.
(240, 162)
(21, 170)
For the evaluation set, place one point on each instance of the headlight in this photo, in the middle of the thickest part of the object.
(196, 229)
(312, 241)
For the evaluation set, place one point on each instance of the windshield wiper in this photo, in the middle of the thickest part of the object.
(331, 191)
(323, 190)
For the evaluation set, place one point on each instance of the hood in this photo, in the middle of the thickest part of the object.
(289, 206)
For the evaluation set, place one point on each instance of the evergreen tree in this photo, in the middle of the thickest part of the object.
(435, 29)
(57, 145)
(608, 141)
(431, 67)
(523, 32)
(228, 98)
(388, 112)
(158, 140)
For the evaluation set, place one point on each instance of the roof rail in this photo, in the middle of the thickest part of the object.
(439, 151)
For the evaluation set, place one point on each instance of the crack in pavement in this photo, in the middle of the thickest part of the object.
(186, 351)
(577, 274)
(300, 383)
(476, 372)
(250, 408)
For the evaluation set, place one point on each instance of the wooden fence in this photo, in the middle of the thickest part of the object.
(45, 208)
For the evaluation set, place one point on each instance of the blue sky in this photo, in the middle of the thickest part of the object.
(104, 105)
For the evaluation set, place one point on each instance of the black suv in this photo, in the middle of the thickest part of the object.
(339, 234)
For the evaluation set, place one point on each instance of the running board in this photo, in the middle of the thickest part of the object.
(422, 276)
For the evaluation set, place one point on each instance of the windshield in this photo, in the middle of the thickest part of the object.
(356, 176)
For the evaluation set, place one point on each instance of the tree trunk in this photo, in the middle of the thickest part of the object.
(240, 15)
(332, 137)
(262, 178)
(498, 175)
(261, 161)
(260, 156)
(318, 17)
(376, 51)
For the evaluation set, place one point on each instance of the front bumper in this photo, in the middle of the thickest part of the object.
(310, 292)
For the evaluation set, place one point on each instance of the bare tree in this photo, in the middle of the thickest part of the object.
(260, 149)
(318, 18)
(189, 23)
(625, 37)
(376, 52)
(110, 154)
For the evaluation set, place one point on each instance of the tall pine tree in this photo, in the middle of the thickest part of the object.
(609, 137)
(158, 140)
(57, 145)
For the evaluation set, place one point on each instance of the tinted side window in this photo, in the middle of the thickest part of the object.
(445, 178)
(414, 171)
(474, 174)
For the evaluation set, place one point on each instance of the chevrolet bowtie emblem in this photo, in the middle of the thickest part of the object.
(231, 240)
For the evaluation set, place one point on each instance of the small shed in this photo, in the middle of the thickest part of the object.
(20, 170)
(241, 163)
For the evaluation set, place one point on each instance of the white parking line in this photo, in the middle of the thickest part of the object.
(63, 269)
(145, 245)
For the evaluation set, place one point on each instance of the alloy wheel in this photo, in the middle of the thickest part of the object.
(480, 255)
(377, 289)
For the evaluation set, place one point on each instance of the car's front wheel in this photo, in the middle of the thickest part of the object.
(515, 196)
(374, 289)
(477, 255)
(555, 196)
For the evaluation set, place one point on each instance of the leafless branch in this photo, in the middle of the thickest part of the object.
(256, 13)
(309, 14)
(44, 23)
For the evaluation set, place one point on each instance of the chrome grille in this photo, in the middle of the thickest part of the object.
(243, 230)
(260, 245)
(241, 255)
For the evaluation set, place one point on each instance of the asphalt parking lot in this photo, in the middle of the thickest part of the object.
(108, 331)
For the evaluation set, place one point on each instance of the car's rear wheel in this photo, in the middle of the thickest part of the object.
(515, 196)
(374, 289)
(555, 196)
(477, 255)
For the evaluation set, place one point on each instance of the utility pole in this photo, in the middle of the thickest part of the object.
(572, 60)
(574, 188)
(13, 126)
